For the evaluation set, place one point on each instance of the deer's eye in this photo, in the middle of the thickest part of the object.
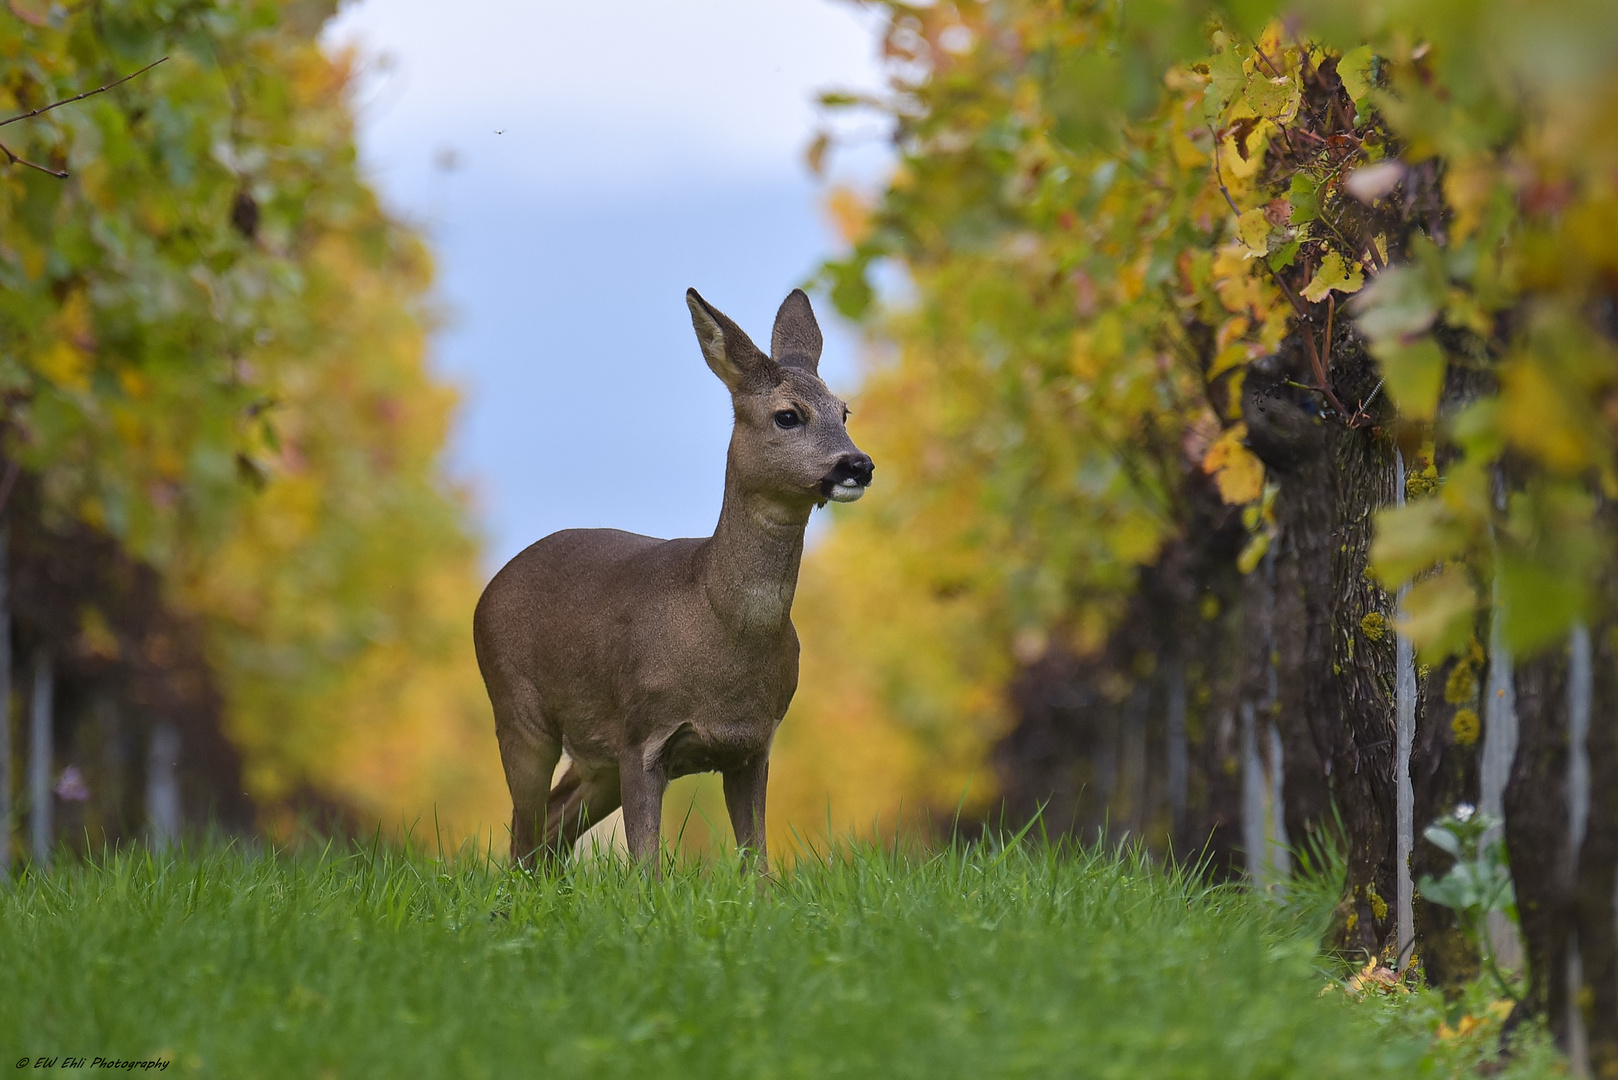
(787, 419)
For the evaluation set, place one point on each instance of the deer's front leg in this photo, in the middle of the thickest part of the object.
(744, 799)
(643, 783)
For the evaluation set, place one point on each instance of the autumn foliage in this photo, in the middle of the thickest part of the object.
(212, 350)
(1227, 325)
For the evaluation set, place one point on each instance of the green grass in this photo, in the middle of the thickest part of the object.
(374, 962)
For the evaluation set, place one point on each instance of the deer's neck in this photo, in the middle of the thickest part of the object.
(752, 565)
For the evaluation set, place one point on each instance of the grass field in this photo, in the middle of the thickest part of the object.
(373, 962)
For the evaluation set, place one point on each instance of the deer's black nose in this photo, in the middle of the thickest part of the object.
(857, 467)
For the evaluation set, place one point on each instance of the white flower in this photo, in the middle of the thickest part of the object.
(70, 786)
(1464, 812)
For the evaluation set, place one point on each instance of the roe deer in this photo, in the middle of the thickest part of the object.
(650, 659)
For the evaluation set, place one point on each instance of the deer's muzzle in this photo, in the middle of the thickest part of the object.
(848, 479)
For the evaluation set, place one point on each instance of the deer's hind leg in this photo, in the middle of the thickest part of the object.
(580, 799)
(529, 755)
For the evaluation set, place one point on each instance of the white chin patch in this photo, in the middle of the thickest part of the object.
(847, 491)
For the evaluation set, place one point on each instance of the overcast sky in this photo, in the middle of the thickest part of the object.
(577, 166)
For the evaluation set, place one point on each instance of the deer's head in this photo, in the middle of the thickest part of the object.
(790, 443)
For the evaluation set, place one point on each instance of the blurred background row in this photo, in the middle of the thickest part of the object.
(1187, 341)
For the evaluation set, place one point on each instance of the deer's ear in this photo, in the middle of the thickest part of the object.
(796, 340)
(729, 351)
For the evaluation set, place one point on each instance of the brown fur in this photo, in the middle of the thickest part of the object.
(650, 659)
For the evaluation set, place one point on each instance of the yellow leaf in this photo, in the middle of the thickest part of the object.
(1272, 43)
(1538, 417)
(1468, 183)
(1333, 274)
(1231, 160)
(1233, 280)
(1254, 229)
(1257, 545)
(1132, 279)
(1237, 473)
(1439, 611)
(1230, 356)
(1415, 374)
(1229, 261)
(1187, 154)
(1234, 389)
(850, 214)
(1275, 322)
(1269, 97)
(1231, 330)
(1135, 538)
(64, 365)
(1464, 1027)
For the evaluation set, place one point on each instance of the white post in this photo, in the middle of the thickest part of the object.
(1280, 853)
(1494, 771)
(1254, 825)
(163, 786)
(1579, 689)
(1404, 713)
(5, 714)
(1177, 750)
(40, 759)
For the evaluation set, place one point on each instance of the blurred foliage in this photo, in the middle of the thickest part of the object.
(212, 346)
(1041, 404)
(1096, 208)
(1514, 103)
(1479, 882)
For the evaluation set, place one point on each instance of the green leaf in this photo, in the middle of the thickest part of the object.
(1443, 838)
(1399, 302)
(1304, 196)
(1540, 603)
(1415, 374)
(850, 289)
(1476, 429)
(1357, 70)
(1226, 77)
(1284, 256)
(1333, 275)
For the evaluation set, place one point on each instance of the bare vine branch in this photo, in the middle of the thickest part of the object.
(80, 97)
(13, 159)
